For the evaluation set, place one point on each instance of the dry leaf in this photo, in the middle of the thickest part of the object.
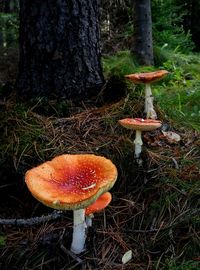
(171, 136)
(127, 256)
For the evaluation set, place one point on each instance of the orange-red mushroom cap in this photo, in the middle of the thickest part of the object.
(147, 77)
(71, 181)
(140, 124)
(99, 204)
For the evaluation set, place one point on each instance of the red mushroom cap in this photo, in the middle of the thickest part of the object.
(71, 181)
(140, 124)
(148, 77)
(99, 204)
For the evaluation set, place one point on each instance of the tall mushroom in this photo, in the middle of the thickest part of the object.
(72, 182)
(139, 125)
(148, 78)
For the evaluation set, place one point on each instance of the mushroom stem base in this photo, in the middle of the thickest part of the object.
(88, 220)
(138, 150)
(149, 108)
(79, 232)
(138, 143)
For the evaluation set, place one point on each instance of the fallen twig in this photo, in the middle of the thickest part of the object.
(70, 253)
(30, 221)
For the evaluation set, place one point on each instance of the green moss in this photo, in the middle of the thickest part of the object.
(21, 134)
(185, 265)
(120, 64)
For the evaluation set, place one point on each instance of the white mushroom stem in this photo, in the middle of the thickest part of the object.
(88, 220)
(138, 143)
(149, 109)
(79, 231)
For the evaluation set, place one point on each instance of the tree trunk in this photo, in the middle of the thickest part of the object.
(59, 48)
(7, 6)
(142, 38)
(195, 27)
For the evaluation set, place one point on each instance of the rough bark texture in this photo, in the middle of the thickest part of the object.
(59, 48)
(142, 39)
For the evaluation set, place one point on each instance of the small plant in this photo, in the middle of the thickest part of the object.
(2, 240)
(9, 26)
(188, 265)
(168, 26)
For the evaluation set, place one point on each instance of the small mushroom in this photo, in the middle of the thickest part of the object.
(72, 182)
(100, 204)
(148, 78)
(139, 125)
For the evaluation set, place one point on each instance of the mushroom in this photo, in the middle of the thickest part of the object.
(97, 206)
(148, 78)
(139, 125)
(72, 182)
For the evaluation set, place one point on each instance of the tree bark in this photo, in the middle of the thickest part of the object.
(59, 48)
(195, 27)
(142, 38)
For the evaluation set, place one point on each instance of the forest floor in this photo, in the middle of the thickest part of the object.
(155, 207)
